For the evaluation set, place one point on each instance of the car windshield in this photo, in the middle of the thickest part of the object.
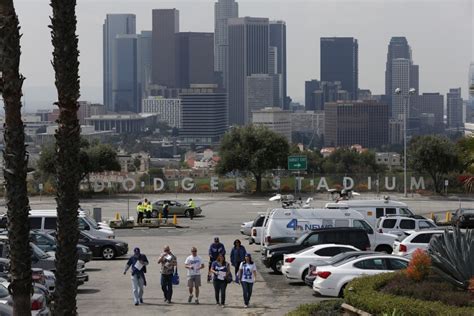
(3, 291)
(91, 222)
(302, 238)
(38, 252)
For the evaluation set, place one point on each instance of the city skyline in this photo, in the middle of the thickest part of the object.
(306, 23)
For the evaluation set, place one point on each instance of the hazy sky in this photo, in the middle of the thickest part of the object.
(440, 33)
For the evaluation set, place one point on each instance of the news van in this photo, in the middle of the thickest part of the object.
(283, 225)
(373, 209)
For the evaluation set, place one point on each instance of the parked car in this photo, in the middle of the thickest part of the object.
(296, 265)
(311, 276)
(257, 227)
(463, 218)
(413, 240)
(174, 208)
(246, 228)
(332, 279)
(48, 243)
(39, 304)
(398, 224)
(107, 249)
(272, 256)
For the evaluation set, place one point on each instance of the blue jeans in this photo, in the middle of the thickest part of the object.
(167, 286)
(137, 288)
(220, 287)
(247, 289)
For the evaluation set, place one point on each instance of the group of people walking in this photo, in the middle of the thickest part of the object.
(219, 272)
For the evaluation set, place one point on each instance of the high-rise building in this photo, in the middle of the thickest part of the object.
(455, 109)
(223, 10)
(164, 67)
(278, 40)
(259, 93)
(114, 24)
(470, 84)
(144, 63)
(425, 104)
(398, 48)
(317, 93)
(400, 80)
(125, 96)
(278, 99)
(195, 58)
(248, 55)
(310, 87)
(356, 122)
(274, 118)
(169, 110)
(340, 62)
(204, 117)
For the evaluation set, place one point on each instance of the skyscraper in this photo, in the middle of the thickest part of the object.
(223, 10)
(278, 99)
(195, 58)
(398, 48)
(164, 68)
(248, 55)
(310, 87)
(278, 40)
(259, 93)
(470, 84)
(428, 103)
(124, 74)
(114, 25)
(144, 64)
(340, 62)
(400, 79)
(455, 109)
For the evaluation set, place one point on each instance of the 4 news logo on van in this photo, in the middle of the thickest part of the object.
(293, 224)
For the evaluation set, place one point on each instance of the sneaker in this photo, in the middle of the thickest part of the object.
(190, 298)
(222, 305)
(217, 303)
(246, 306)
(136, 304)
(141, 301)
(169, 302)
(166, 300)
(197, 301)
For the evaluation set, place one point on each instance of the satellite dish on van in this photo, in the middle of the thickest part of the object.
(275, 198)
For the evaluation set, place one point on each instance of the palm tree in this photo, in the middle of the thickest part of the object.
(16, 160)
(68, 171)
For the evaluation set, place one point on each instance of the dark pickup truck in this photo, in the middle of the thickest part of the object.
(272, 256)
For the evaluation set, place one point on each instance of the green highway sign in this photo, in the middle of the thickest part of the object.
(297, 163)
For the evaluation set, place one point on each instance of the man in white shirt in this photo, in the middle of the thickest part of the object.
(194, 264)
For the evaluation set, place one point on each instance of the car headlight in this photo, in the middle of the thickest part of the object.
(120, 245)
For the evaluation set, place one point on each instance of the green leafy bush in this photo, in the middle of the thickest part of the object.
(364, 293)
(324, 308)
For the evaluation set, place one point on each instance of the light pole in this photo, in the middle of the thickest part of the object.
(411, 92)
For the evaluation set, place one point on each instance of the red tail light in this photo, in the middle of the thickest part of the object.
(403, 248)
(290, 260)
(324, 274)
(36, 305)
(254, 232)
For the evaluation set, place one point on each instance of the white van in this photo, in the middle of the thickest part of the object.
(286, 225)
(46, 220)
(373, 209)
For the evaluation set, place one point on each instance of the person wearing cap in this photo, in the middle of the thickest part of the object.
(247, 276)
(215, 249)
(137, 263)
(194, 265)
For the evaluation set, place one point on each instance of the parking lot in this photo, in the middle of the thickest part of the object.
(108, 291)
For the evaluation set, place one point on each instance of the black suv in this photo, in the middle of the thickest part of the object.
(272, 256)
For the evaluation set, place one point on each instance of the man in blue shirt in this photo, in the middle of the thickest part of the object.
(215, 249)
(138, 263)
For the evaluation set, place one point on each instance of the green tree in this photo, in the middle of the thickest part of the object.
(253, 149)
(68, 165)
(466, 153)
(16, 160)
(435, 155)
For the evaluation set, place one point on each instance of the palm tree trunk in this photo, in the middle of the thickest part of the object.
(68, 171)
(16, 160)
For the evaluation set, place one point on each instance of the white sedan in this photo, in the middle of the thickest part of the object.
(246, 228)
(296, 265)
(413, 241)
(331, 280)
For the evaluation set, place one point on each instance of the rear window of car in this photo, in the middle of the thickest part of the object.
(389, 223)
(425, 224)
(35, 222)
(407, 224)
(259, 221)
(50, 223)
(328, 252)
(423, 238)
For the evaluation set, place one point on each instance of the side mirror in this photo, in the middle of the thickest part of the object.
(86, 227)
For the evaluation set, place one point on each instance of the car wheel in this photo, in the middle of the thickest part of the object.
(154, 214)
(277, 265)
(341, 292)
(384, 248)
(108, 253)
(186, 213)
(305, 273)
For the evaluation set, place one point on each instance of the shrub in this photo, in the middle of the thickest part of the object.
(419, 266)
(326, 308)
(364, 293)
